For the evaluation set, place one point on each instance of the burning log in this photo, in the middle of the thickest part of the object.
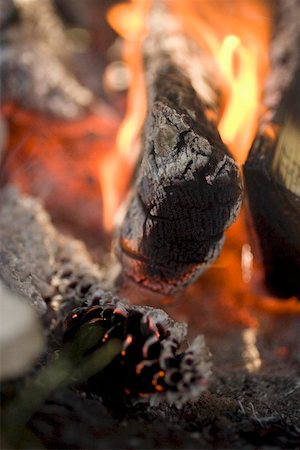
(272, 170)
(188, 188)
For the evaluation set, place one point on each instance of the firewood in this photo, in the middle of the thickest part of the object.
(188, 189)
(272, 170)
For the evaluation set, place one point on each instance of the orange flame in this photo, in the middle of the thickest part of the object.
(129, 20)
(237, 35)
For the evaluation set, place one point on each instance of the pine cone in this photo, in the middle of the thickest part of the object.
(150, 363)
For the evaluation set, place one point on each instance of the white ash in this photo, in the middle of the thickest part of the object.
(37, 79)
(34, 63)
(176, 165)
(51, 270)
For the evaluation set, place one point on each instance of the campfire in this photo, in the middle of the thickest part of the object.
(150, 182)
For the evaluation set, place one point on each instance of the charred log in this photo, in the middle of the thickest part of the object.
(188, 188)
(272, 170)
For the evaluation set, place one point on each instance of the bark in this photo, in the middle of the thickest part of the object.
(188, 189)
(272, 170)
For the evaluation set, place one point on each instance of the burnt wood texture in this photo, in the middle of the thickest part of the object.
(272, 170)
(187, 189)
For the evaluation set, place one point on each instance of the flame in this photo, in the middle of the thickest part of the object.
(240, 118)
(237, 35)
(129, 21)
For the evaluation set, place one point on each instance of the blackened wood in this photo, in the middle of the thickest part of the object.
(188, 188)
(272, 169)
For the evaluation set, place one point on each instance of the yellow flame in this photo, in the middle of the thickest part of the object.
(240, 117)
(129, 20)
(237, 35)
(108, 173)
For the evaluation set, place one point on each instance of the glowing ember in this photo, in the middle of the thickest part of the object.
(58, 161)
(251, 354)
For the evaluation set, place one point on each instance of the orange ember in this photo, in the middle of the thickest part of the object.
(58, 162)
